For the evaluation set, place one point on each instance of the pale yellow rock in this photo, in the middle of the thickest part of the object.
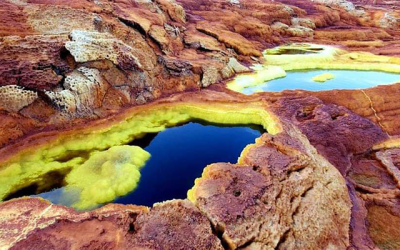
(259, 76)
(13, 98)
(83, 88)
(58, 19)
(91, 46)
(304, 56)
(323, 77)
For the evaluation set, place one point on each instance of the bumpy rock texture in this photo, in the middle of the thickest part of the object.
(68, 63)
(282, 194)
(137, 51)
(274, 196)
(37, 224)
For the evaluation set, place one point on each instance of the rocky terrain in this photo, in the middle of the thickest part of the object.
(325, 176)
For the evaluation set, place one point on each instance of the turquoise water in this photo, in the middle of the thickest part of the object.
(344, 79)
(178, 156)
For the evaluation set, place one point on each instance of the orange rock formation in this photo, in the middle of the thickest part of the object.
(65, 65)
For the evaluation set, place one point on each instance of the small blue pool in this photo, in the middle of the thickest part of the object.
(178, 156)
(344, 79)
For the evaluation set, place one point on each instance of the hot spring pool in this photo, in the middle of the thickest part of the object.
(344, 79)
(178, 156)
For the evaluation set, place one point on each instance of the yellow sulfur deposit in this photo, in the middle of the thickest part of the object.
(392, 142)
(323, 77)
(295, 49)
(84, 151)
(106, 175)
(313, 57)
(260, 75)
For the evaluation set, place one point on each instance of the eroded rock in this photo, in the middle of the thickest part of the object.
(13, 98)
(330, 127)
(93, 59)
(92, 46)
(273, 198)
(35, 62)
(174, 225)
(33, 222)
(230, 39)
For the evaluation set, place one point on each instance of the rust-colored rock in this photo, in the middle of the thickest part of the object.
(35, 62)
(157, 31)
(35, 223)
(335, 131)
(32, 223)
(69, 64)
(377, 104)
(173, 225)
(273, 198)
(236, 41)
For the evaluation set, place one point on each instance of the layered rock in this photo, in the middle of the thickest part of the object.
(40, 224)
(377, 104)
(129, 45)
(330, 127)
(162, 47)
(266, 201)
(67, 65)
(276, 198)
(375, 176)
(371, 171)
(279, 178)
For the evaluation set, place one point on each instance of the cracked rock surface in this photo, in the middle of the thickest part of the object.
(271, 202)
(329, 180)
(46, 226)
(144, 50)
(282, 194)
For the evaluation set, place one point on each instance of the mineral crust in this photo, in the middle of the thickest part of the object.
(84, 76)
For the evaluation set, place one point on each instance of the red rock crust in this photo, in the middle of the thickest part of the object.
(111, 227)
(164, 47)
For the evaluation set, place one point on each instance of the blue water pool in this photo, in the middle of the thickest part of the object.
(344, 79)
(178, 157)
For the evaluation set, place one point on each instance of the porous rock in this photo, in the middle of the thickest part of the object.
(35, 223)
(283, 196)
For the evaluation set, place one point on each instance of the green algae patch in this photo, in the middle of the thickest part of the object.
(323, 77)
(106, 175)
(73, 151)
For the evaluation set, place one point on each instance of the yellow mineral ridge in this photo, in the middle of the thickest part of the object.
(282, 59)
(115, 172)
(92, 157)
(259, 76)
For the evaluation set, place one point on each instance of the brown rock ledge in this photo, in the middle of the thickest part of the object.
(267, 201)
(33, 223)
(281, 168)
(285, 196)
(185, 45)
